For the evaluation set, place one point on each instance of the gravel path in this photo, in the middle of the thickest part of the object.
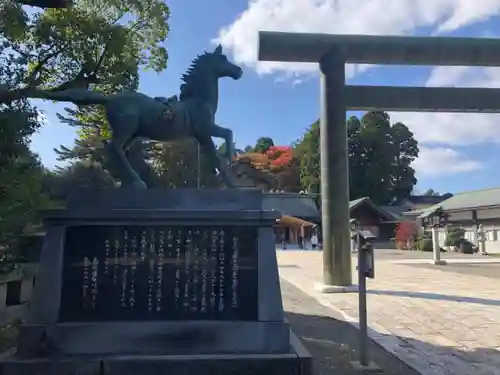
(331, 341)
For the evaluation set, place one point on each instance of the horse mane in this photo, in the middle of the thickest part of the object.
(191, 79)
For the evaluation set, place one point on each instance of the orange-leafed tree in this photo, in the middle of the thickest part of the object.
(278, 162)
(279, 156)
(284, 167)
(406, 233)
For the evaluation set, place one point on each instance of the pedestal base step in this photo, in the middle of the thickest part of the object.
(297, 362)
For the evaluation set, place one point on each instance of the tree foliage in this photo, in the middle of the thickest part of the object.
(20, 170)
(263, 144)
(92, 44)
(431, 193)
(87, 45)
(178, 166)
(80, 174)
(405, 235)
(279, 156)
(380, 157)
(307, 153)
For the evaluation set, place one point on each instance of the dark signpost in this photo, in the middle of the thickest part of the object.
(129, 273)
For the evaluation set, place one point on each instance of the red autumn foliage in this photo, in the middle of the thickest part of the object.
(406, 233)
(279, 155)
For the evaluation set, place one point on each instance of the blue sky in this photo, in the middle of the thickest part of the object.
(282, 100)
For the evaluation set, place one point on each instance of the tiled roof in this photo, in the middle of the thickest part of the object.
(428, 199)
(397, 211)
(381, 210)
(468, 200)
(292, 205)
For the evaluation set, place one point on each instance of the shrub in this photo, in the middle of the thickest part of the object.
(454, 237)
(424, 244)
(406, 232)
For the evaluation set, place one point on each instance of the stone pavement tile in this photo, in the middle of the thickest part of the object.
(415, 359)
(440, 340)
(440, 314)
(404, 333)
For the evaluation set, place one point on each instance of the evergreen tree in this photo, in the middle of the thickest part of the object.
(380, 157)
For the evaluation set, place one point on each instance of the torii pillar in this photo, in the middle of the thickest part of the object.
(332, 51)
(337, 274)
(334, 174)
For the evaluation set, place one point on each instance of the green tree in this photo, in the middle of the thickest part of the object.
(80, 174)
(20, 171)
(262, 144)
(178, 166)
(221, 150)
(307, 154)
(87, 45)
(380, 157)
(431, 193)
(405, 152)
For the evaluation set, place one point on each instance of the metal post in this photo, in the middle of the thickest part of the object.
(363, 324)
(334, 172)
(198, 167)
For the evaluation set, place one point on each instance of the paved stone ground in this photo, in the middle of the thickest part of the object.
(491, 271)
(439, 322)
(332, 342)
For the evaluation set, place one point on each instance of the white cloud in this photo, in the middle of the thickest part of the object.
(456, 128)
(464, 76)
(393, 17)
(379, 17)
(441, 161)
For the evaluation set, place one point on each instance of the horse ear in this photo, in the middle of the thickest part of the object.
(218, 50)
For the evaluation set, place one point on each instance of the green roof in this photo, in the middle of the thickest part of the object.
(467, 200)
(296, 205)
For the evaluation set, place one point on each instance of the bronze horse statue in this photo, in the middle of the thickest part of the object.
(134, 116)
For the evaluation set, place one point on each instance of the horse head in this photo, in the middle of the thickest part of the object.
(204, 69)
(222, 66)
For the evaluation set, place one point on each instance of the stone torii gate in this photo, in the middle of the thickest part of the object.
(332, 52)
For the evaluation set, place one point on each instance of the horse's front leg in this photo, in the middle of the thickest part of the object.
(208, 147)
(227, 135)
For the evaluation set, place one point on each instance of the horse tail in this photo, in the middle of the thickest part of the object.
(76, 96)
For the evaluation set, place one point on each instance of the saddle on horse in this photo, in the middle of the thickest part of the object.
(169, 112)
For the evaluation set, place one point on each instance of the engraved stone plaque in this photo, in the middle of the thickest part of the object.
(120, 273)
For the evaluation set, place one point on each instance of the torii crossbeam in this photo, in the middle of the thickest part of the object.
(332, 52)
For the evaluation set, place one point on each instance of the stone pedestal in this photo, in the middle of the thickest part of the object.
(151, 282)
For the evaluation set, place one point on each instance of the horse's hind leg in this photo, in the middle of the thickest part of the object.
(136, 158)
(121, 139)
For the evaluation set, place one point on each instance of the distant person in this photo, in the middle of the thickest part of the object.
(283, 240)
(301, 242)
(314, 241)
